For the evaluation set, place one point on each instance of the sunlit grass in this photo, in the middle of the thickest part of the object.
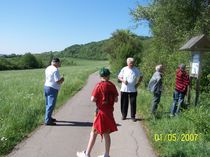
(186, 135)
(22, 102)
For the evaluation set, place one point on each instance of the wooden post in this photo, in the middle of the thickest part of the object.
(189, 92)
(197, 91)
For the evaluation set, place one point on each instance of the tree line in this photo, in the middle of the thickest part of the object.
(100, 50)
(14, 62)
(92, 50)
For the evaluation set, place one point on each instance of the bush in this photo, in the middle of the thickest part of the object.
(123, 44)
(29, 61)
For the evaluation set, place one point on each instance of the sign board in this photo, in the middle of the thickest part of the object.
(195, 65)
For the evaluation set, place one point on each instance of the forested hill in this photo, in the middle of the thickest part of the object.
(93, 50)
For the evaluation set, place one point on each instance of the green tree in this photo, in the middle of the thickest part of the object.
(173, 22)
(29, 61)
(5, 64)
(123, 44)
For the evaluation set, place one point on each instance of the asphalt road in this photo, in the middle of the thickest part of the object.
(73, 128)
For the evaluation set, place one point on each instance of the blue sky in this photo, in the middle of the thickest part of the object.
(51, 25)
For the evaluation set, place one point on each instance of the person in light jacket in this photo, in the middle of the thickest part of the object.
(155, 86)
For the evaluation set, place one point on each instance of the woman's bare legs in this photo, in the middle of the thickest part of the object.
(91, 142)
(107, 143)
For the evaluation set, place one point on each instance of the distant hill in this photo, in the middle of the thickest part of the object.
(93, 50)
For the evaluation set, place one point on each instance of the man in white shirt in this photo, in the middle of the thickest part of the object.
(130, 76)
(52, 85)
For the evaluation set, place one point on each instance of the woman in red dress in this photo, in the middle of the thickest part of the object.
(105, 95)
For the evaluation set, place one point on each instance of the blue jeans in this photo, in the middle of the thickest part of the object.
(50, 101)
(178, 99)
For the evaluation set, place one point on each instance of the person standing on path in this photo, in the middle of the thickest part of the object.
(130, 76)
(105, 95)
(155, 86)
(182, 82)
(52, 85)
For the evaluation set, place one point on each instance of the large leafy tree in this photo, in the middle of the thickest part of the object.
(123, 44)
(172, 22)
(29, 61)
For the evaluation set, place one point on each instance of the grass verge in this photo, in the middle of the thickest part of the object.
(185, 135)
(22, 103)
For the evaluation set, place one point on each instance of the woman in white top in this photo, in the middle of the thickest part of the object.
(130, 76)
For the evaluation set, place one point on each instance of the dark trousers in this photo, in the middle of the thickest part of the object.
(155, 101)
(125, 97)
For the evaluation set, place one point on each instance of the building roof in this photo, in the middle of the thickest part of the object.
(197, 43)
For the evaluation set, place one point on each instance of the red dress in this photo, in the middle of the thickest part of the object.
(105, 93)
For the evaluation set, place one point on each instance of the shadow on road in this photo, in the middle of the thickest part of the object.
(137, 119)
(73, 123)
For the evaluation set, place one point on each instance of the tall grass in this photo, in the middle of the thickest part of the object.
(22, 103)
(185, 135)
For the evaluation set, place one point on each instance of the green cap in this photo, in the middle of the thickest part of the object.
(104, 72)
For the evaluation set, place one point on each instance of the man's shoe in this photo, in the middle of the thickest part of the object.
(82, 154)
(53, 119)
(104, 155)
(51, 123)
(171, 115)
(123, 118)
(133, 119)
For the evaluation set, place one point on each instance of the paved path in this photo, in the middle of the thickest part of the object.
(71, 133)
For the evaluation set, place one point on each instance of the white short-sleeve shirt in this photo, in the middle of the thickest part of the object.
(51, 77)
(131, 75)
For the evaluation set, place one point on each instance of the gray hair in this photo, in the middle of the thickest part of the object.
(182, 66)
(130, 59)
(158, 67)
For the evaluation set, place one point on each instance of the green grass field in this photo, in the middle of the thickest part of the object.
(22, 103)
(186, 135)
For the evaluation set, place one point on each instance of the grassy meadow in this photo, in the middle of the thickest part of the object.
(185, 135)
(22, 103)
